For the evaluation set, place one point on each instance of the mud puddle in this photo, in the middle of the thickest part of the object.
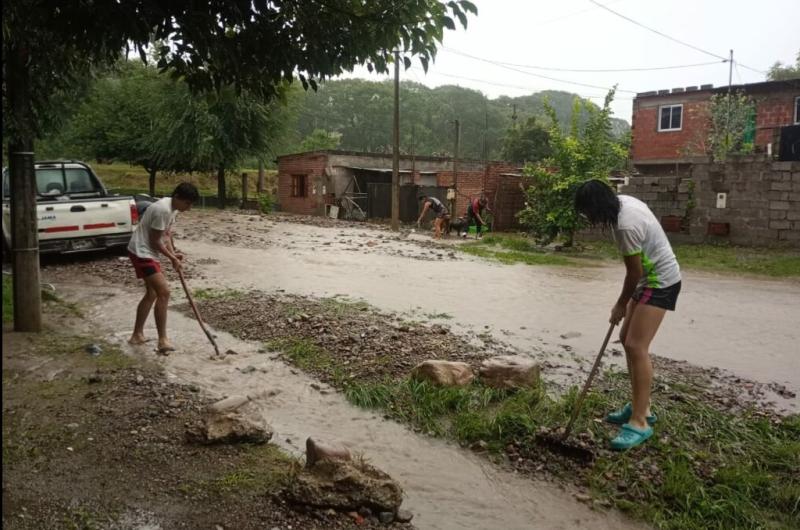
(446, 488)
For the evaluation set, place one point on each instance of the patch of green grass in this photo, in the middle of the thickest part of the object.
(265, 470)
(509, 257)
(341, 306)
(442, 316)
(124, 178)
(703, 469)
(308, 356)
(729, 259)
(8, 299)
(213, 293)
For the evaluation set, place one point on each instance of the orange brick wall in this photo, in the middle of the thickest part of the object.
(651, 144)
(773, 113)
(774, 109)
(313, 166)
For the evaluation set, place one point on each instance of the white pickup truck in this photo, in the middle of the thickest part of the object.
(75, 211)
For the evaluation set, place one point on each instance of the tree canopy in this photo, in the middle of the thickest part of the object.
(250, 45)
(588, 151)
(781, 72)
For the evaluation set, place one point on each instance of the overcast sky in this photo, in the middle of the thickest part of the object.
(578, 34)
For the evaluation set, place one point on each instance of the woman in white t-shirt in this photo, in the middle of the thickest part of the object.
(651, 287)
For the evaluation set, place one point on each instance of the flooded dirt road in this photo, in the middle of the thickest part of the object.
(446, 487)
(748, 326)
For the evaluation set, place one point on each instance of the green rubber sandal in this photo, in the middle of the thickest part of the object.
(630, 436)
(623, 415)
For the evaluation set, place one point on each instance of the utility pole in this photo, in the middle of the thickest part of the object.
(730, 73)
(413, 157)
(455, 166)
(728, 116)
(485, 132)
(396, 146)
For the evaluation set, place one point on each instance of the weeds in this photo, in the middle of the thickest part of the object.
(704, 469)
(213, 294)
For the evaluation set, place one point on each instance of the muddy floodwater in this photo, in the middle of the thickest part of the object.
(445, 487)
(747, 326)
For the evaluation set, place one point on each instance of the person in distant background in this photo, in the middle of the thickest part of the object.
(474, 211)
(439, 209)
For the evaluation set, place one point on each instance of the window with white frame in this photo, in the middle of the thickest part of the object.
(670, 117)
(797, 110)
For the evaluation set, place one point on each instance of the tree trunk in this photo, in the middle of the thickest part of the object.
(221, 195)
(24, 232)
(260, 177)
(151, 181)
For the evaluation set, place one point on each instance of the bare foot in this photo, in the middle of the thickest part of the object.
(165, 346)
(137, 338)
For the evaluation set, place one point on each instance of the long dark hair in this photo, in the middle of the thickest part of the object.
(598, 202)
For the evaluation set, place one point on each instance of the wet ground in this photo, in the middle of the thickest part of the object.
(743, 325)
(555, 313)
(445, 487)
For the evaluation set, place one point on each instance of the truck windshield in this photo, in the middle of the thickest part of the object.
(58, 181)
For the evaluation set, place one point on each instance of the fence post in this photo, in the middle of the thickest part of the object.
(244, 190)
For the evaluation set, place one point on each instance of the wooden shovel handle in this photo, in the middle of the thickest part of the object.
(588, 383)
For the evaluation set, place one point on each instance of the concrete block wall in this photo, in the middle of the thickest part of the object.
(762, 200)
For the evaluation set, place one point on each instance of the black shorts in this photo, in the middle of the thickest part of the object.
(665, 298)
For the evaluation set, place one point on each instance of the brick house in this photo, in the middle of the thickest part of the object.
(313, 182)
(672, 126)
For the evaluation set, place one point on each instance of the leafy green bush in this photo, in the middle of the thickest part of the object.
(586, 152)
(265, 202)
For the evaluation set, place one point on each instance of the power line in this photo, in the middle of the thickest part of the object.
(600, 70)
(562, 17)
(524, 72)
(519, 87)
(673, 39)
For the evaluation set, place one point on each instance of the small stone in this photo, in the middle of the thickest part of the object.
(247, 369)
(139, 379)
(364, 511)
(404, 516)
(570, 335)
(582, 497)
(386, 517)
(72, 426)
(94, 349)
(93, 379)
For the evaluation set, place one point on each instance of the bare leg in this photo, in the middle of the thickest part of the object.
(644, 323)
(159, 284)
(142, 310)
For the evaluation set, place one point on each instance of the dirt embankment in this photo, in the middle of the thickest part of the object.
(94, 438)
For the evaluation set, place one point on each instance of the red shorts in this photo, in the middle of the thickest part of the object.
(144, 266)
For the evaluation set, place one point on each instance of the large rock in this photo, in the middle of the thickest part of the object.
(444, 373)
(345, 486)
(229, 427)
(316, 451)
(510, 371)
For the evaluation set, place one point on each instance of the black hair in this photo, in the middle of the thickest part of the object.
(597, 201)
(422, 197)
(186, 191)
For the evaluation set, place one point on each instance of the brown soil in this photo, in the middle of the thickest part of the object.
(97, 441)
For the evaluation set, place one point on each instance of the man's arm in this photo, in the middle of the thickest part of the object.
(633, 273)
(158, 241)
(424, 209)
